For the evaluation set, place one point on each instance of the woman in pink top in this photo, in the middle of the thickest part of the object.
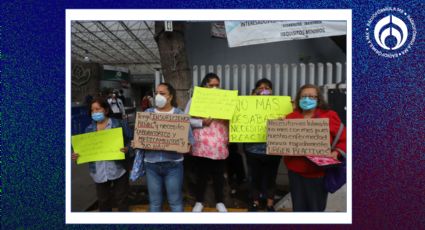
(210, 151)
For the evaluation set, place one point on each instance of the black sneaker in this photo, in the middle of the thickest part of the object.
(253, 207)
(270, 209)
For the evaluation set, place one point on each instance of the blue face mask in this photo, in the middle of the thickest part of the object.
(98, 116)
(307, 103)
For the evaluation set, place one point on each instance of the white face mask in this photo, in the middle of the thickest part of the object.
(160, 101)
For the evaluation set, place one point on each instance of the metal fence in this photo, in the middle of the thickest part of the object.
(286, 78)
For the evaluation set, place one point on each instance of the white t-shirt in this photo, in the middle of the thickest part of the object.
(169, 112)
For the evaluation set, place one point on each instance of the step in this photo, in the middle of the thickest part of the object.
(145, 208)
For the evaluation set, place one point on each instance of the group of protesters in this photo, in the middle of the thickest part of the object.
(209, 146)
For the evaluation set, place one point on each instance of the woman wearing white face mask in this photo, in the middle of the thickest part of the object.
(165, 168)
(306, 180)
(210, 151)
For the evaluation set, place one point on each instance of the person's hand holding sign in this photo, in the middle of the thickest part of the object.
(124, 150)
(334, 154)
(74, 156)
(206, 121)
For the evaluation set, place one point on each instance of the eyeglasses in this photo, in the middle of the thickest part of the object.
(309, 96)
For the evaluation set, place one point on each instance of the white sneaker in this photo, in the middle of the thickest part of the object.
(198, 207)
(220, 207)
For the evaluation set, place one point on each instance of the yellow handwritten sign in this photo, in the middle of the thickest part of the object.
(214, 103)
(299, 137)
(249, 122)
(99, 146)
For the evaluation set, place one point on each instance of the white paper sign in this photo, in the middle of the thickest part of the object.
(242, 33)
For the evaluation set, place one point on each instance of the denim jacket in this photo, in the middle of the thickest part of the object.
(155, 156)
(102, 171)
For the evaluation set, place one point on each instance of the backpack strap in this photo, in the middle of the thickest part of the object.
(336, 139)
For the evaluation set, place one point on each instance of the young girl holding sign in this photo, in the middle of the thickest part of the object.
(165, 167)
(306, 180)
(111, 177)
(210, 151)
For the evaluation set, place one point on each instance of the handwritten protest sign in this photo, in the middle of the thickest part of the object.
(214, 103)
(99, 146)
(162, 131)
(298, 137)
(249, 122)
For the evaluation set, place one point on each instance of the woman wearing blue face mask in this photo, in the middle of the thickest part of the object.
(262, 168)
(110, 177)
(306, 180)
(164, 169)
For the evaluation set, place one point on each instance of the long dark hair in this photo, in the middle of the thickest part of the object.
(103, 103)
(208, 78)
(172, 92)
(321, 103)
